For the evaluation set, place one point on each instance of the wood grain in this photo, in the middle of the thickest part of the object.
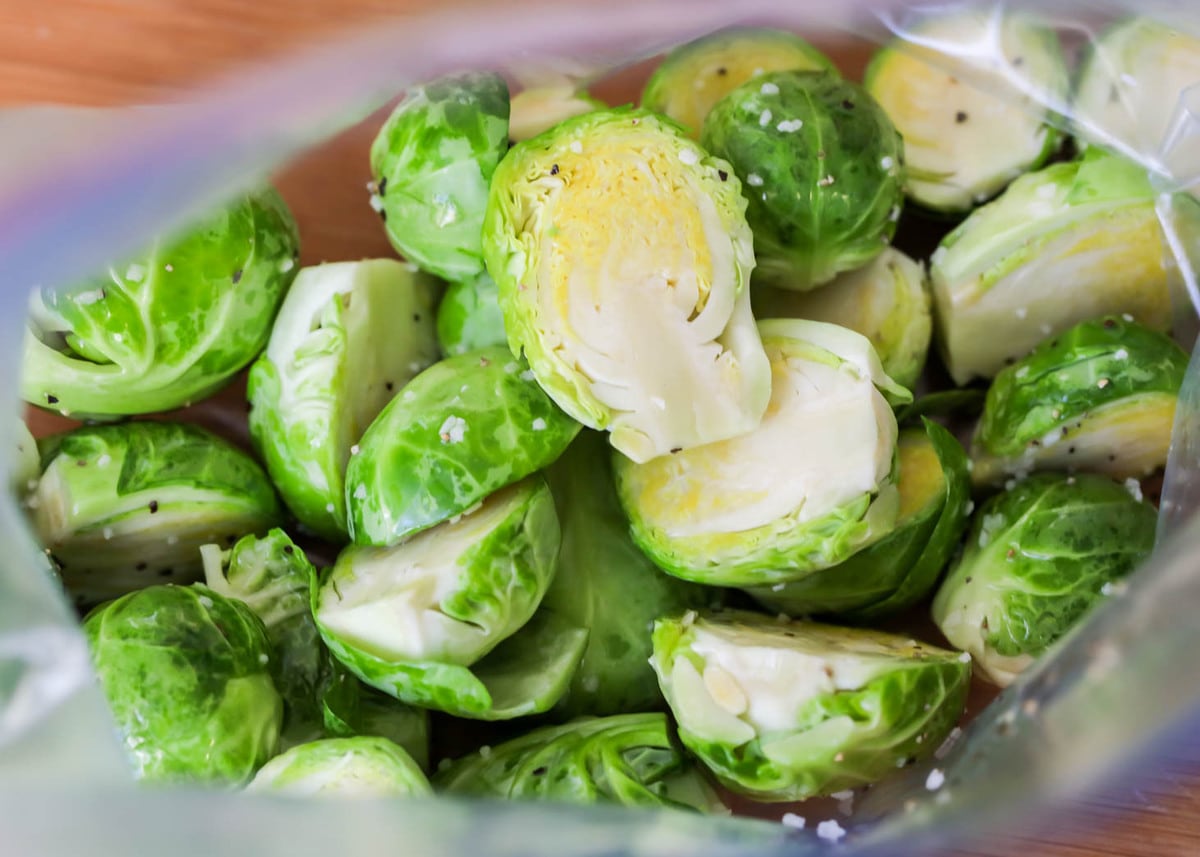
(111, 52)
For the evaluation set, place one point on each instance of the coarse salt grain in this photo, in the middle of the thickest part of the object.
(965, 657)
(134, 273)
(539, 424)
(360, 493)
(790, 819)
(452, 429)
(887, 162)
(576, 147)
(689, 157)
(764, 118)
(935, 780)
(769, 89)
(1134, 488)
(355, 450)
(104, 460)
(1121, 354)
(789, 126)
(329, 507)
(830, 830)
(485, 752)
(754, 180)
(527, 375)
(108, 533)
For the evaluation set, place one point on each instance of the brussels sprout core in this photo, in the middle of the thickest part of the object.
(805, 490)
(622, 256)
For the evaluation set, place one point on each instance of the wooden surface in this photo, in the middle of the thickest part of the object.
(111, 52)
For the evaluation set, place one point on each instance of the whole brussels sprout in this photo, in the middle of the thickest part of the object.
(364, 767)
(886, 300)
(822, 167)
(604, 583)
(1134, 79)
(695, 76)
(443, 619)
(785, 711)
(904, 566)
(432, 162)
(540, 108)
(972, 120)
(812, 485)
(120, 506)
(187, 673)
(460, 431)
(348, 336)
(623, 257)
(626, 759)
(169, 327)
(1099, 397)
(469, 316)
(1038, 558)
(1089, 227)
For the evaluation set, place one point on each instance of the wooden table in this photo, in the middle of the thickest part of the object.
(111, 52)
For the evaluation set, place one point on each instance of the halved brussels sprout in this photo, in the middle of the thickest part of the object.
(625, 759)
(540, 108)
(432, 162)
(1132, 95)
(1088, 227)
(1099, 397)
(26, 463)
(273, 577)
(424, 620)
(122, 506)
(348, 336)
(469, 316)
(606, 584)
(1037, 558)
(886, 300)
(903, 567)
(364, 767)
(812, 485)
(623, 258)
(169, 327)
(823, 170)
(695, 76)
(785, 711)
(460, 431)
(187, 673)
(973, 119)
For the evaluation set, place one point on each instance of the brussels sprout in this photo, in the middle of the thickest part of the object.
(804, 491)
(1132, 95)
(975, 119)
(347, 336)
(902, 568)
(1098, 397)
(625, 759)
(540, 108)
(623, 257)
(273, 577)
(422, 620)
(461, 430)
(187, 673)
(1088, 227)
(606, 584)
(365, 767)
(120, 506)
(886, 300)
(26, 463)
(823, 170)
(469, 316)
(790, 710)
(169, 327)
(697, 75)
(432, 162)
(1037, 558)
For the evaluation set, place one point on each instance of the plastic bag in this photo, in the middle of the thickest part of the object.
(109, 179)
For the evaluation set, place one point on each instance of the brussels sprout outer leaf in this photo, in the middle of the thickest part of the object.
(540, 108)
(622, 256)
(460, 431)
(695, 76)
(169, 327)
(1037, 558)
(901, 568)
(1077, 383)
(432, 162)
(469, 316)
(606, 584)
(817, 709)
(623, 759)
(349, 334)
(358, 767)
(187, 674)
(120, 506)
(944, 403)
(823, 173)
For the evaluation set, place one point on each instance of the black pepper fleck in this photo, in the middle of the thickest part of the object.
(383, 214)
(554, 170)
(1070, 450)
(539, 771)
(722, 175)
(847, 104)
(382, 188)
(676, 449)
(960, 117)
(141, 566)
(153, 506)
(389, 386)
(237, 276)
(53, 400)
(722, 71)
(1110, 323)
(416, 316)
(288, 549)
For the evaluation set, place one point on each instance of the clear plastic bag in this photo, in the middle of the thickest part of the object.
(80, 187)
